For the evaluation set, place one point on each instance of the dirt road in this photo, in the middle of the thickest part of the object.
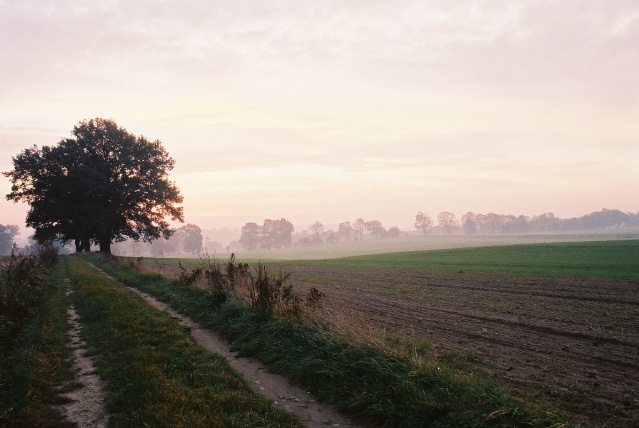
(272, 386)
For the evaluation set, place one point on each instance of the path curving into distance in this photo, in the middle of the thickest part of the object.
(273, 386)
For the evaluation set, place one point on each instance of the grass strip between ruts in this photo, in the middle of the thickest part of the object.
(156, 374)
(359, 379)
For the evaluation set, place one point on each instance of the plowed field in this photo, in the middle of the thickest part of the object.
(570, 341)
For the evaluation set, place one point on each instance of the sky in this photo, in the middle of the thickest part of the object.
(334, 110)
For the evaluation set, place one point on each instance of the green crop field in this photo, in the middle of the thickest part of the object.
(612, 259)
(609, 259)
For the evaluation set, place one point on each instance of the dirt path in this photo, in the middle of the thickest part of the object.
(86, 408)
(272, 386)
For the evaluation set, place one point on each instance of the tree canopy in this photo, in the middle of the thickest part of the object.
(190, 238)
(103, 185)
(273, 234)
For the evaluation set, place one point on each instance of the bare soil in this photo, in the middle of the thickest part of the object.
(573, 342)
(86, 407)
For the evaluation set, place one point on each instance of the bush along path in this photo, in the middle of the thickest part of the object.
(34, 359)
(360, 380)
(155, 373)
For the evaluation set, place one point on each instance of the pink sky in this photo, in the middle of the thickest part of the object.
(336, 110)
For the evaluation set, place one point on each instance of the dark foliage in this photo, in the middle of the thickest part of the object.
(102, 185)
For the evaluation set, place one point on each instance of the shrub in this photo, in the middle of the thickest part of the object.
(21, 288)
(266, 292)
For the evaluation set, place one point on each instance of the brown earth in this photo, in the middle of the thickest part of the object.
(573, 342)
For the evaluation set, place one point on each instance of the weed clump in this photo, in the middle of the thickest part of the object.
(265, 293)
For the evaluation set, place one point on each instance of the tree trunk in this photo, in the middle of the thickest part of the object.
(82, 245)
(105, 245)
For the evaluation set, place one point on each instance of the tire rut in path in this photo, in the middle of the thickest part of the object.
(270, 385)
(86, 408)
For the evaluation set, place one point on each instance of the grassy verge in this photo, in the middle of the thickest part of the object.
(156, 374)
(397, 391)
(609, 259)
(36, 360)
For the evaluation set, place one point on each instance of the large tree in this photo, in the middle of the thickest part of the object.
(102, 185)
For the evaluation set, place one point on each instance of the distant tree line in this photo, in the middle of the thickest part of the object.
(494, 224)
(275, 234)
(187, 239)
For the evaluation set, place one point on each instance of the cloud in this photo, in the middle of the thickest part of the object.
(423, 95)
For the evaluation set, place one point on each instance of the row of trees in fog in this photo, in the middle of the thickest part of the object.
(494, 224)
(187, 239)
(276, 234)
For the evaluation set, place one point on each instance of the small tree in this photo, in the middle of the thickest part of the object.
(423, 222)
(447, 222)
(376, 228)
(190, 237)
(7, 234)
(469, 224)
(284, 230)
(345, 230)
(317, 229)
(250, 237)
(359, 227)
(393, 232)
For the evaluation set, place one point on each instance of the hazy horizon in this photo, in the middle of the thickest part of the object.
(332, 111)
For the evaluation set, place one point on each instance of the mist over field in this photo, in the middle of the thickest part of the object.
(280, 239)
